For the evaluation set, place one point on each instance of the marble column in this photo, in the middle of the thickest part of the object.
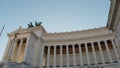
(54, 56)
(115, 49)
(10, 50)
(42, 56)
(94, 53)
(101, 53)
(13, 49)
(61, 65)
(67, 56)
(87, 53)
(48, 57)
(109, 55)
(19, 50)
(74, 56)
(80, 53)
(118, 47)
(26, 52)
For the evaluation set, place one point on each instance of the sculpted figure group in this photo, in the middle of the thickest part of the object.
(36, 24)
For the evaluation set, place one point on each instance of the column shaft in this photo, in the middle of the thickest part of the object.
(54, 56)
(118, 47)
(25, 57)
(101, 53)
(10, 50)
(48, 57)
(67, 56)
(109, 55)
(87, 54)
(19, 50)
(80, 52)
(115, 49)
(74, 60)
(42, 57)
(61, 65)
(94, 53)
(13, 50)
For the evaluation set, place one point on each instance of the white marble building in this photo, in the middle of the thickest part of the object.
(95, 48)
(38, 48)
(76, 49)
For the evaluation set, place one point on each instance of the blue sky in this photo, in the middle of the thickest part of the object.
(56, 15)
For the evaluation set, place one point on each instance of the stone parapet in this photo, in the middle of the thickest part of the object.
(16, 65)
(85, 34)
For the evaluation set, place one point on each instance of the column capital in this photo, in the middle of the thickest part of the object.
(105, 40)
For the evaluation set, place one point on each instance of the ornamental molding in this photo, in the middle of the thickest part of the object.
(81, 38)
(77, 35)
(79, 41)
(27, 30)
(94, 34)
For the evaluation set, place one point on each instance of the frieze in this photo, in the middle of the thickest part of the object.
(66, 36)
(78, 41)
(77, 35)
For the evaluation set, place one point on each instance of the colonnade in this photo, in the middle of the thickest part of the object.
(17, 49)
(103, 49)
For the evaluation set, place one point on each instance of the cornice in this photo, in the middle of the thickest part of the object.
(77, 38)
(74, 35)
(78, 41)
(78, 31)
(79, 35)
(19, 31)
(27, 30)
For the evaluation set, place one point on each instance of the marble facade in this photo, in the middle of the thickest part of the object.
(94, 48)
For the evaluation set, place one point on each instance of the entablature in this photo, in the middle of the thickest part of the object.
(93, 33)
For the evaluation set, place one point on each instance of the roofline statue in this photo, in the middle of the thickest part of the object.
(30, 25)
(36, 24)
